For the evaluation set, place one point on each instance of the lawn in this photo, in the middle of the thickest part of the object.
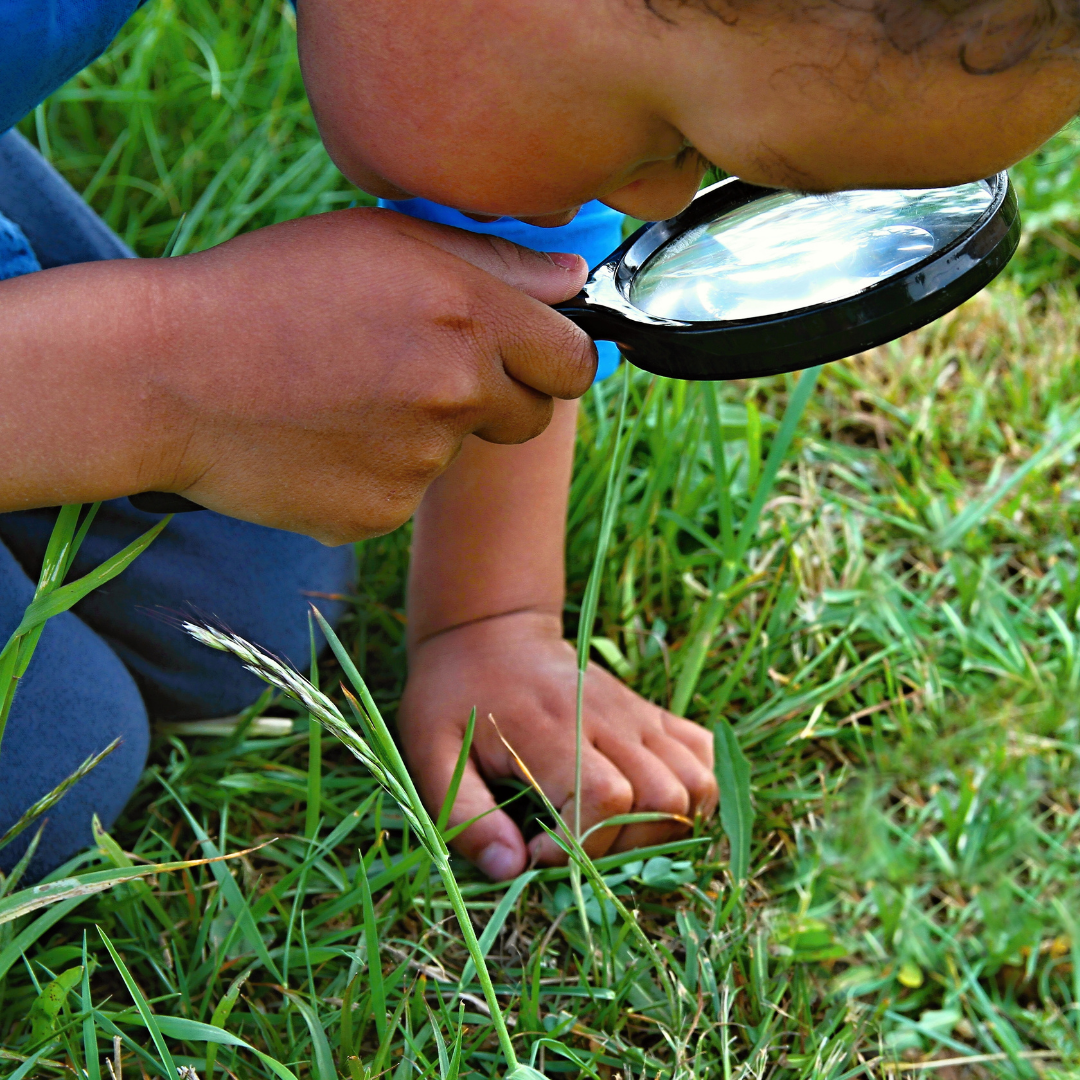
(869, 575)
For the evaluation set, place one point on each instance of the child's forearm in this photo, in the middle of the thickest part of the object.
(79, 418)
(489, 536)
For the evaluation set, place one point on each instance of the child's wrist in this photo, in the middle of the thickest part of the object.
(532, 623)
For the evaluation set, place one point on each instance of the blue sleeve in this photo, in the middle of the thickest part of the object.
(44, 42)
(594, 234)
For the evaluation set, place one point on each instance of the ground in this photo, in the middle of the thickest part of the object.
(896, 650)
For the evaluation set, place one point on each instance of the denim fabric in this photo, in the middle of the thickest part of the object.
(594, 234)
(101, 669)
(60, 227)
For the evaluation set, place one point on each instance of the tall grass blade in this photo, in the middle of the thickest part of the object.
(591, 598)
(777, 452)
(736, 809)
(498, 919)
(49, 800)
(324, 1060)
(83, 885)
(89, 1029)
(141, 1004)
(384, 761)
(459, 771)
(374, 955)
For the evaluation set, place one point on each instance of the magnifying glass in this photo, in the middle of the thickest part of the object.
(750, 281)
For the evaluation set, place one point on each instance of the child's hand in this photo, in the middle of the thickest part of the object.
(516, 667)
(314, 376)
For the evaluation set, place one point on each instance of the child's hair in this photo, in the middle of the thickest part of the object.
(988, 36)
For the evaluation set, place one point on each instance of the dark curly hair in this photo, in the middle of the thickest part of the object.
(990, 36)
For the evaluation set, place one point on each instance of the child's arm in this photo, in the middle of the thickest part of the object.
(313, 376)
(485, 629)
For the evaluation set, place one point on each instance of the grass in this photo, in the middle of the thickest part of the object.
(895, 647)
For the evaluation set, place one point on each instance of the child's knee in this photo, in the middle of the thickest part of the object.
(75, 698)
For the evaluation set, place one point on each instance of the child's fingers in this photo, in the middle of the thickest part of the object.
(694, 774)
(494, 843)
(657, 789)
(605, 792)
(698, 740)
(551, 279)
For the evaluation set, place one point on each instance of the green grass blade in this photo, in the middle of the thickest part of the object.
(753, 641)
(238, 906)
(498, 918)
(84, 885)
(48, 801)
(374, 956)
(220, 1014)
(440, 1044)
(27, 1067)
(459, 772)
(723, 488)
(141, 1004)
(591, 598)
(697, 653)
(67, 596)
(58, 551)
(80, 536)
(324, 1060)
(736, 810)
(345, 1038)
(1066, 438)
(777, 452)
(89, 1028)
(8, 883)
(314, 793)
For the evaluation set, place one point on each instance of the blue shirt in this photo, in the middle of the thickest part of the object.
(44, 42)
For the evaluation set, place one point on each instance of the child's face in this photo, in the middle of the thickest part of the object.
(530, 109)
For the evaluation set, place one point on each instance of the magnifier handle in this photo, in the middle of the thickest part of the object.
(163, 502)
(599, 323)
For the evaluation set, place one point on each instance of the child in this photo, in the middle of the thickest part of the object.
(323, 376)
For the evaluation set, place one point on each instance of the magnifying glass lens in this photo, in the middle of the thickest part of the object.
(788, 251)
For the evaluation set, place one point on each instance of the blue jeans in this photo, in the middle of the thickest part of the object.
(104, 668)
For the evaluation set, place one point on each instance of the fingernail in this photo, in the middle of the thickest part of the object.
(498, 861)
(566, 259)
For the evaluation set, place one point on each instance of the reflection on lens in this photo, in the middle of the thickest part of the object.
(789, 251)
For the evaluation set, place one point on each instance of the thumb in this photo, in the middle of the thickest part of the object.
(494, 843)
(550, 278)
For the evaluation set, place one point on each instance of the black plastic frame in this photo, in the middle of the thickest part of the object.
(769, 345)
